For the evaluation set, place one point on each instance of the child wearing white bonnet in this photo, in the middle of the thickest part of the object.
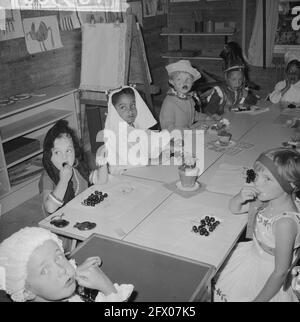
(287, 91)
(33, 267)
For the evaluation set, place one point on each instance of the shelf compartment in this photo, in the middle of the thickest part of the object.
(31, 155)
(24, 172)
(30, 124)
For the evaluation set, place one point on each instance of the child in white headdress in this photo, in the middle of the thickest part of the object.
(128, 140)
(33, 267)
(178, 109)
(288, 91)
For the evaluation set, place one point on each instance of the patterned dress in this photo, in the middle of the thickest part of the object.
(252, 263)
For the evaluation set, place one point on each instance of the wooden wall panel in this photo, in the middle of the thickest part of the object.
(21, 72)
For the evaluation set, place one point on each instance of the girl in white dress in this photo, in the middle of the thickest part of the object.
(258, 269)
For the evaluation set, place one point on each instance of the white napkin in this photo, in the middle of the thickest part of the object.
(228, 179)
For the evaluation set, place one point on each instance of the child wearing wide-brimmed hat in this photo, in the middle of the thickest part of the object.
(178, 108)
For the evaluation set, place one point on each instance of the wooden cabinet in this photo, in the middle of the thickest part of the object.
(23, 127)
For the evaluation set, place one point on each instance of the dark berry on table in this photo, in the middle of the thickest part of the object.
(105, 195)
(207, 218)
(211, 229)
(195, 229)
(201, 232)
(212, 219)
(202, 222)
(206, 233)
(217, 222)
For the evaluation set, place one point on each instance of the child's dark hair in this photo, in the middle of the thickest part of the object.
(293, 62)
(124, 91)
(57, 131)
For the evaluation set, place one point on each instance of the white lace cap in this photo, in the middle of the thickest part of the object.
(15, 252)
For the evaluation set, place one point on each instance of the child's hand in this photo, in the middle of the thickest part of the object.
(287, 86)
(199, 125)
(66, 173)
(91, 276)
(248, 193)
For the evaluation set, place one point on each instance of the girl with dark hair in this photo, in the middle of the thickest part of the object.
(66, 174)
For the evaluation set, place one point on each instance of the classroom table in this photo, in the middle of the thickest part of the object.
(129, 201)
(239, 125)
(163, 221)
(157, 276)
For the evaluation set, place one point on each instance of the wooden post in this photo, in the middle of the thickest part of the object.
(264, 35)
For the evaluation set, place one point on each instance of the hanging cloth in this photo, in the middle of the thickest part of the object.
(255, 51)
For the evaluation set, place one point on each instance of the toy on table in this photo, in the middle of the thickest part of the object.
(206, 225)
(58, 221)
(86, 225)
(94, 198)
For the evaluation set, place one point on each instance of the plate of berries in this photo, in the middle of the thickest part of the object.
(94, 199)
(206, 225)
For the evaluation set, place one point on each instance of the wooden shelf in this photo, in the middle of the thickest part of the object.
(191, 57)
(198, 34)
(39, 97)
(32, 123)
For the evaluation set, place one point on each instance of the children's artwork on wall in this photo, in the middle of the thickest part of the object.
(11, 21)
(161, 7)
(149, 8)
(92, 17)
(41, 34)
(68, 20)
(154, 7)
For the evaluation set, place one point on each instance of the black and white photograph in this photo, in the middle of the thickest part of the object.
(150, 154)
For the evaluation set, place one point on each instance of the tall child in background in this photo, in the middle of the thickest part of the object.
(231, 94)
(65, 172)
(178, 108)
(257, 269)
(288, 90)
(33, 267)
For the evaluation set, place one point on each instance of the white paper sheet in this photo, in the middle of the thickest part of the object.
(41, 34)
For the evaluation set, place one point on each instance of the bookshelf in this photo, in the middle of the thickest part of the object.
(29, 120)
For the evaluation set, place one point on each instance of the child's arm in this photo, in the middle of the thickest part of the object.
(278, 92)
(285, 232)
(239, 204)
(54, 199)
(250, 98)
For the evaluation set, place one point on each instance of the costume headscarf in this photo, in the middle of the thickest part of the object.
(143, 121)
(15, 252)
